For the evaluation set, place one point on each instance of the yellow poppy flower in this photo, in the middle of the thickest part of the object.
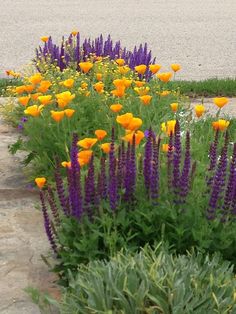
(100, 134)
(154, 68)
(220, 101)
(86, 66)
(57, 115)
(164, 77)
(45, 100)
(142, 90)
(116, 107)
(40, 182)
(175, 67)
(66, 164)
(145, 99)
(87, 142)
(199, 110)
(168, 127)
(24, 100)
(127, 82)
(139, 135)
(165, 148)
(123, 69)
(69, 112)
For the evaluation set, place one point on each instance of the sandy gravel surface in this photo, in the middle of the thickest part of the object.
(199, 34)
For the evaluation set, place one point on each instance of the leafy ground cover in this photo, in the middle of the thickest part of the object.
(121, 162)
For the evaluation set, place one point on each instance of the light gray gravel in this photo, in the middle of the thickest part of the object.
(199, 34)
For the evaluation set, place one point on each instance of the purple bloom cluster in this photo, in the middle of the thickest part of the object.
(73, 50)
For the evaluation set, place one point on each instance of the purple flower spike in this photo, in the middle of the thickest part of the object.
(147, 162)
(176, 158)
(184, 178)
(154, 186)
(112, 189)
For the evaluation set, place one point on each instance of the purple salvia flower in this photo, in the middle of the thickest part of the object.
(112, 189)
(90, 199)
(53, 206)
(231, 187)
(74, 180)
(60, 189)
(47, 224)
(176, 158)
(154, 186)
(218, 182)
(147, 162)
(184, 178)
(170, 161)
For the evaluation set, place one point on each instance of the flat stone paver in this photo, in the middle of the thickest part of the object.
(199, 34)
(22, 236)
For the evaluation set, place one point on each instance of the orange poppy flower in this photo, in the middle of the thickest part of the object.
(40, 182)
(174, 106)
(134, 124)
(120, 62)
(99, 87)
(34, 110)
(116, 107)
(154, 68)
(64, 98)
(145, 99)
(123, 69)
(20, 89)
(221, 125)
(74, 32)
(68, 83)
(118, 92)
(87, 142)
(36, 78)
(139, 83)
(199, 110)
(35, 96)
(142, 90)
(165, 93)
(99, 76)
(175, 67)
(44, 86)
(24, 100)
(141, 69)
(45, 39)
(66, 164)
(164, 77)
(86, 66)
(57, 115)
(139, 135)
(45, 100)
(124, 119)
(220, 101)
(106, 147)
(100, 134)
(84, 156)
(69, 112)
(29, 88)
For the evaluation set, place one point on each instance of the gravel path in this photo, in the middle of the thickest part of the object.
(22, 236)
(198, 34)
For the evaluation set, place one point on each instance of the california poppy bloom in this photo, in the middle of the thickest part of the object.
(164, 77)
(106, 147)
(35, 79)
(116, 107)
(139, 135)
(57, 115)
(168, 127)
(24, 100)
(40, 182)
(99, 87)
(100, 134)
(154, 68)
(29, 88)
(34, 110)
(221, 125)
(134, 124)
(86, 66)
(74, 32)
(165, 93)
(20, 89)
(45, 39)
(120, 62)
(220, 101)
(145, 99)
(64, 98)
(68, 83)
(45, 100)
(87, 142)
(44, 86)
(199, 110)
(69, 112)
(119, 91)
(139, 83)
(99, 76)
(174, 106)
(85, 156)
(124, 119)
(141, 69)
(142, 90)
(127, 82)
(35, 96)
(175, 67)
(123, 69)
(66, 164)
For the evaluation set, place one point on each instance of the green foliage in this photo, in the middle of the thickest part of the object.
(208, 88)
(152, 282)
